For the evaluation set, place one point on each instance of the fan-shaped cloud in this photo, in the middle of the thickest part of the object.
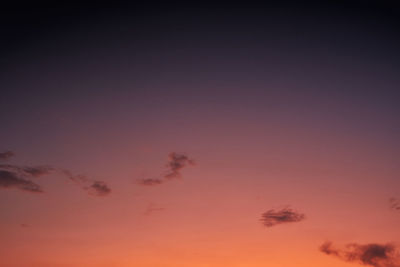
(10, 179)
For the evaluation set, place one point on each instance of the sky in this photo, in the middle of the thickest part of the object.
(198, 136)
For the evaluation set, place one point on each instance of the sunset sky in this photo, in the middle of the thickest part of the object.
(200, 137)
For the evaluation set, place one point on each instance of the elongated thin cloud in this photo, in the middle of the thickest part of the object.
(150, 181)
(376, 255)
(38, 170)
(6, 155)
(176, 162)
(14, 176)
(151, 208)
(35, 171)
(286, 215)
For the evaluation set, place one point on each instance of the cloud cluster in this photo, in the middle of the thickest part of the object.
(376, 255)
(176, 162)
(286, 215)
(20, 177)
(394, 203)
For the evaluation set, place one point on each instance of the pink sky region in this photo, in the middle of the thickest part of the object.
(201, 137)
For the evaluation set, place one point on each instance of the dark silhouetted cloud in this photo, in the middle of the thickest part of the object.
(96, 188)
(6, 155)
(99, 188)
(13, 176)
(327, 249)
(176, 163)
(274, 217)
(394, 203)
(9, 179)
(376, 255)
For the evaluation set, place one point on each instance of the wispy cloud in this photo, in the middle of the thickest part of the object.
(150, 181)
(14, 176)
(151, 208)
(394, 203)
(38, 170)
(176, 162)
(9, 179)
(34, 171)
(6, 155)
(286, 215)
(376, 255)
(93, 187)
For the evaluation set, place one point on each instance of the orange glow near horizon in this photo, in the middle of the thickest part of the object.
(210, 216)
